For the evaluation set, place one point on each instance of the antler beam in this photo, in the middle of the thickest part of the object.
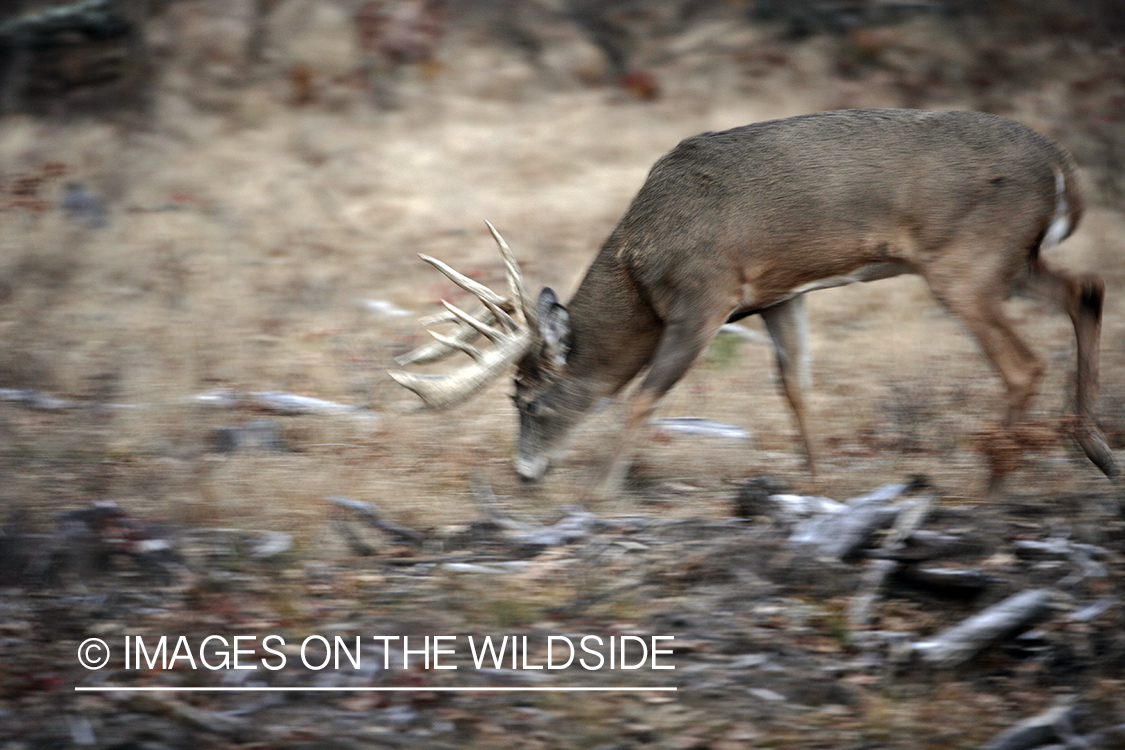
(510, 340)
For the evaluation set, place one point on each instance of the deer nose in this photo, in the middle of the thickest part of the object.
(530, 468)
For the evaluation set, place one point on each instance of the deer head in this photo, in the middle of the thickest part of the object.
(534, 337)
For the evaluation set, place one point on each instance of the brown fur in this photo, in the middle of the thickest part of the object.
(745, 221)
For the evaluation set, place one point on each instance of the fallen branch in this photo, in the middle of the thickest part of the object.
(576, 525)
(907, 520)
(701, 427)
(963, 641)
(1054, 724)
(842, 533)
(373, 517)
(289, 404)
(489, 506)
(37, 400)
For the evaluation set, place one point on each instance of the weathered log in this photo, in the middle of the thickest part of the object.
(1049, 726)
(841, 533)
(906, 521)
(958, 644)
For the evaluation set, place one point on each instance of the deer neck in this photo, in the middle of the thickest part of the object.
(614, 330)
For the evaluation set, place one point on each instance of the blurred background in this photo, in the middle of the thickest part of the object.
(226, 197)
(210, 215)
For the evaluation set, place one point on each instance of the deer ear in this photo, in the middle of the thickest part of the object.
(554, 326)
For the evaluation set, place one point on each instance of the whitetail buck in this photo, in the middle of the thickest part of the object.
(747, 221)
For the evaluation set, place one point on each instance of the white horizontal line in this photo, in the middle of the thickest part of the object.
(265, 689)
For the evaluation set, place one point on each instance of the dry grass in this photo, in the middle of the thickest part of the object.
(246, 236)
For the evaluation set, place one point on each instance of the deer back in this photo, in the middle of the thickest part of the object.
(746, 217)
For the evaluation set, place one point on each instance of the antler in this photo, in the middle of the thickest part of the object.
(510, 340)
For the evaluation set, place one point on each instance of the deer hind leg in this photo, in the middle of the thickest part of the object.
(976, 299)
(680, 345)
(1081, 298)
(788, 326)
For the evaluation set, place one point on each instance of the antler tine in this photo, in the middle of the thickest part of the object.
(448, 317)
(495, 310)
(491, 333)
(473, 287)
(510, 340)
(432, 351)
(455, 344)
(500, 316)
(439, 392)
(515, 280)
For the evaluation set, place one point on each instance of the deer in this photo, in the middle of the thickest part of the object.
(746, 222)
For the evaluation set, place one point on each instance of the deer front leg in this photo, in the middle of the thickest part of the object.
(681, 343)
(788, 326)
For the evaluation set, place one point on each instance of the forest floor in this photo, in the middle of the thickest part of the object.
(261, 236)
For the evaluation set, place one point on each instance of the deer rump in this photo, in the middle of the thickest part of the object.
(748, 220)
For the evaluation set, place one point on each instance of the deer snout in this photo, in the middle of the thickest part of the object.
(530, 468)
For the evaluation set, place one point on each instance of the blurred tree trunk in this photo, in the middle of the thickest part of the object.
(13, 62)
(260, 11)
(141, 74)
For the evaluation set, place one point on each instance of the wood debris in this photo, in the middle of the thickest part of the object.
(755, 616)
